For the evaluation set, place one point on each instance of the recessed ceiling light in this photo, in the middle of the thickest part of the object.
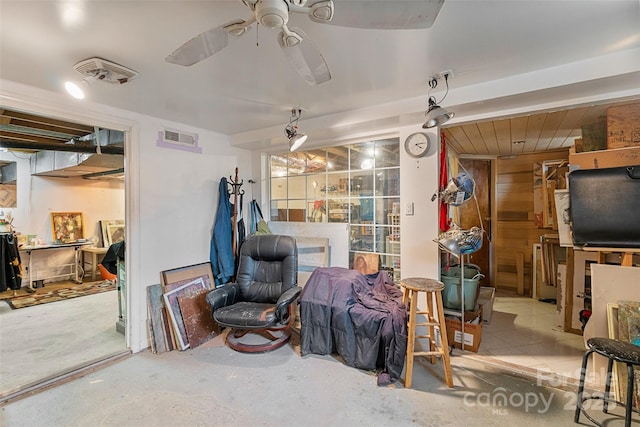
(521, 141)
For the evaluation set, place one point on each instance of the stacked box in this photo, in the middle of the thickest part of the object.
(623, 126)
(472, 334)
(594, 135)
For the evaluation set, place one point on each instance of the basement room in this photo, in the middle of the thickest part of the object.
(398, 212)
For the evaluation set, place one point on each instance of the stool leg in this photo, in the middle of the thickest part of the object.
(444, 341)
(607, 388)
(583, 372)
(430, 320)
(405, 296)
(412, 337)
(629, 408)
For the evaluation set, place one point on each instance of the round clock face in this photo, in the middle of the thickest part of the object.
(417, 144)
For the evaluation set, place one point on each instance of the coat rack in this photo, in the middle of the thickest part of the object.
(235, 191)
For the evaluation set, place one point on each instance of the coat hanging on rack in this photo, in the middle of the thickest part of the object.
(221, 250)
(10, 267)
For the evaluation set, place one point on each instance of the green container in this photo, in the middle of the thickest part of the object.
(452, 295)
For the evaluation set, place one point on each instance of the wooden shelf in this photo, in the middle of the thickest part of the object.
(600, 159)
(627, 254)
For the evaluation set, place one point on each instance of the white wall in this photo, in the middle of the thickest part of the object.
(419, 253)
(38, 196)
(170, 195)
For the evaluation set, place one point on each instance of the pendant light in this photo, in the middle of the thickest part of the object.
(291, 130)
(437, 115)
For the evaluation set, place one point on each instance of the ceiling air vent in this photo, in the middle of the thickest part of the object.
(116, 73)
(169, 138)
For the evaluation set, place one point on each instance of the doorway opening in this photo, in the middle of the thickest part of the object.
(75, 171)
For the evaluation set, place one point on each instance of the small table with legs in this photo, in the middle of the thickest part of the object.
(94, 252)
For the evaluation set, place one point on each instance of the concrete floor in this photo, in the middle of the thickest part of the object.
(215, 386)
(46, 340)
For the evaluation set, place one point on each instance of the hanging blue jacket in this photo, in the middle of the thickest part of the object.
(221, 251)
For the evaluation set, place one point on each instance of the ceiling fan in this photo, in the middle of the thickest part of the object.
(301, 53)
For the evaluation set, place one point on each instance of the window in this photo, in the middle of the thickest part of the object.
(357, 184)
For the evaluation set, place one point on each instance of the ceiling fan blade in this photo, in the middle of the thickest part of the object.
(207, 43)
(306, 59)
(385, 15)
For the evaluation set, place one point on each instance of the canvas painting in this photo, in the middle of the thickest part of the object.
(67, 227)
(563, 218)
(538, 205)
(173, 307)
(176, 277)
(629, 331)
(112, 231)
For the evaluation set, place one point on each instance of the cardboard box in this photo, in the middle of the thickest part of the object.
(469, 316)
(623, 126)
(594, 135)
(472, 334)
(619, 157)
(485, 300)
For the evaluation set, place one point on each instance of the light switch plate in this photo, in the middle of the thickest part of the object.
(409, 209)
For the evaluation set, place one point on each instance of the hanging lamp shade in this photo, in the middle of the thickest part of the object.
(296, 141)
(436, 115)
(291, 130)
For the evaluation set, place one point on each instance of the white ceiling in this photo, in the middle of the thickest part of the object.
(506, 56)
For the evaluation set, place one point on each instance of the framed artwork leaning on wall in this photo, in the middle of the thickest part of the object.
(67, 227)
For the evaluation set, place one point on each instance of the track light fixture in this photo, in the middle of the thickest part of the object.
(291, 130)
(437, 115)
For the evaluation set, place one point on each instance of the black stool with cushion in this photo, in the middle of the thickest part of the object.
(262, 298)
(614, 350)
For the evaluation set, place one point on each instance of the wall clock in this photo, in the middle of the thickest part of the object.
(417, 144)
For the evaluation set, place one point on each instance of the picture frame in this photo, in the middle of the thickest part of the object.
(175, 277)
(553, 178)
(67, 227)
(171, 300)
(563, 219)
(113, 231)
(181, 281)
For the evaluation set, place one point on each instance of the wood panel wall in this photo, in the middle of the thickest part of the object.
(514, 232)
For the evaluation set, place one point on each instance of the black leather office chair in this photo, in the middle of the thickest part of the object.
(262, 298)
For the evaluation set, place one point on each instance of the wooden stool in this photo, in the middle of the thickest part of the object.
(620, 351)
(411, 288)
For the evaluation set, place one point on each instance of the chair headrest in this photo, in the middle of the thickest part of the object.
(269, 247)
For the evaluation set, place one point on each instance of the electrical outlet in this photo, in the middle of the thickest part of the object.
(409, 209)
(441, 74)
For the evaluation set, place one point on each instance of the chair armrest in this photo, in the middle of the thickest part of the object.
(223, 296)
(285, 300)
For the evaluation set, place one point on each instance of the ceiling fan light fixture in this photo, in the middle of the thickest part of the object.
(272, 13)
(322, 11)
(289, 37)
(237, 29)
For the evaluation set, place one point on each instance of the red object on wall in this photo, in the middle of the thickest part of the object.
(445, 222)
